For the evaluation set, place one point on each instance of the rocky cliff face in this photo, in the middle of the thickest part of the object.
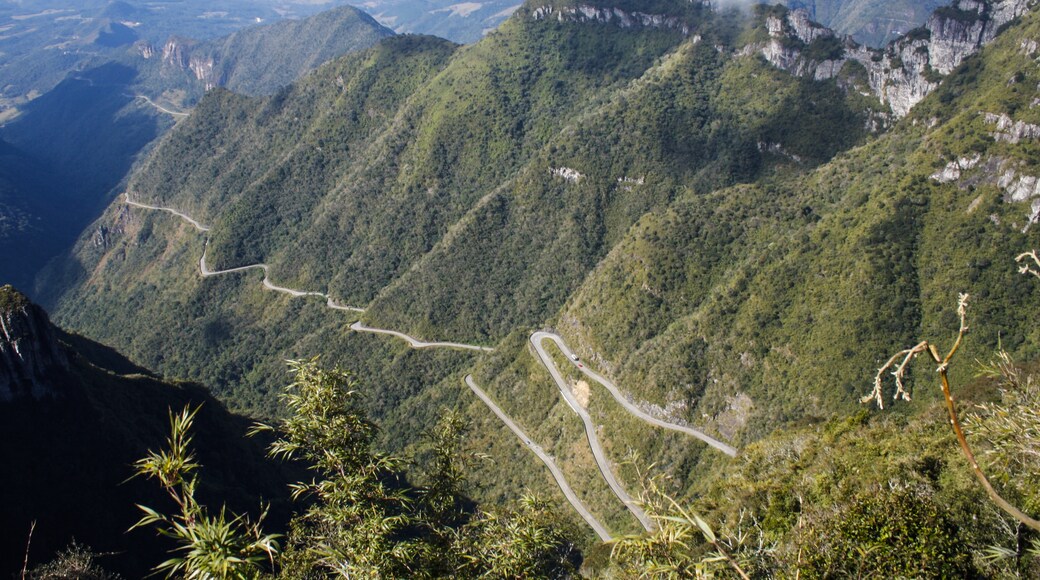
(182, 54)
(906, 71)
(32, 363)
(612, 15)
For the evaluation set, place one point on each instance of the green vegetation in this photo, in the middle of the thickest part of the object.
(729, 243)
(814, 501)
(364, 520)
(68, 455)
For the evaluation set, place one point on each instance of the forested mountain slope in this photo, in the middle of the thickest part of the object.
(83, 135)
(726, 239)
(257, 60)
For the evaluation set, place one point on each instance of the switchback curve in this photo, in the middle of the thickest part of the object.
(329, 302)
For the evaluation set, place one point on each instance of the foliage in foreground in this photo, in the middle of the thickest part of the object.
(815, 501)
(209, 546)
(361, 517)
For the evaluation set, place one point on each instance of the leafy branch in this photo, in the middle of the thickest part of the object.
(220, 546)
(670, 551)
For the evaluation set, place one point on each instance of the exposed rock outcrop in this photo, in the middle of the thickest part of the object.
(1011, 131)
(609, 15)
(1018, 187)
(32, 363)
(906, 71)
(183, 54)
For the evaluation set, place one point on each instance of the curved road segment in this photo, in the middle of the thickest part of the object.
(184, 217)
(160, 108)
(357, 327)
(416, 343)
(590, 433)
(583, 511)
(536, 341)
(538, 337)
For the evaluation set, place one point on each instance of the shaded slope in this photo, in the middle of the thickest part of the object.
(69, 440)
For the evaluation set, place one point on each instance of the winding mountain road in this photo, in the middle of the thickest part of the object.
(329, 302)
(416, 343)
(536, 341)
(538, 337)
(590, 432)
(184, 217)
(561, 481)
(206, 272)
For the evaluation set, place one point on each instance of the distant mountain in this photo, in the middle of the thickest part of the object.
(261, 59)
(871, 22)
(44, 40)
(81, 137)
(458, 21)
(74, 416)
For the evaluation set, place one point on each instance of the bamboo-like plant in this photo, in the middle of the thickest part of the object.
(356, 526)
(683, 545)
(209, 546)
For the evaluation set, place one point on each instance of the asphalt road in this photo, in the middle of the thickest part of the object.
(536, 339)
(575, 501)
(590, 432)
(357, 326)
(184, 217)
(415, 342)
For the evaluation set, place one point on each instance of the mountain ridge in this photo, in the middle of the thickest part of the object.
(732, 243)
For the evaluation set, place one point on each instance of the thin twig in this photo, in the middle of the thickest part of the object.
(28, 542)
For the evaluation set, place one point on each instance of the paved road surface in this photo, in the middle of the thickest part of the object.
(184, 217)
(590, 433)
(598, 527)
(415, 342)
(357, 327)
(160, 107)
(628, 405)
(536, 340)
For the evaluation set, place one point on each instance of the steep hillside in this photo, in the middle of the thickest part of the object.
(74, 416)
(826, 273)
(705, 216)
(85, 133)
(257, 60)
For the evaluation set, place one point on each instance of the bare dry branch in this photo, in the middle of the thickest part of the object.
(1027, 268)
(944, 362)
(900, 372)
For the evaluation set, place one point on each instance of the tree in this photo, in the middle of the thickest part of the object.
(360, 522)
